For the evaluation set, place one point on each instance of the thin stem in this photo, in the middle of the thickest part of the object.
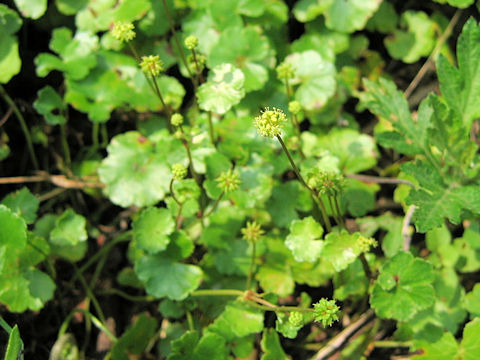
(218, 292)
(197, 66)
(167, 108)
(23, 125)
(190, 323)
(172, 193)
(366, 266)
(339, 214)
(318, 199)
(95, 129)
(95, 321)
(379, 180)
(252, 265)
(190, 159)
(133, 298)
(66, 149)
(90, 294)
(211, 130)
(421, 73)
(214, 205)
(174, 33)
(5, 325)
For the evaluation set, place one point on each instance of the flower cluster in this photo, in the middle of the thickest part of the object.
(252, 232)
(179, 171)
(271, 122)
(176, 119)
(151, 65)
(228, 180)
(191, 42)
(284, 71)
(123, 31)
(365, 243)
(296, 319)
(326, 311)
(294, 107)
(326, 182)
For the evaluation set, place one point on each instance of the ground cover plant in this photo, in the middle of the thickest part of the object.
(239, 179)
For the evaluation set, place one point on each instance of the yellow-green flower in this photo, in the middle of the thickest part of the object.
(294, 107)
(270, 122)
(326, 311)
(252, 232)
(176, 119)
(229, 180)
(151, 65)
(284, 71)
(191, 42)
(365, 243)
(179, 171)
(123, 31)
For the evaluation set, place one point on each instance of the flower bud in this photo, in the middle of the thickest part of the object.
(191, 42)
(123, 31)
(176, 119)
(151, 65)
(179, 171)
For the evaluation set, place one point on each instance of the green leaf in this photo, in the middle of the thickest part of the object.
(229, 326)
(246, 49)
(10, 22)
(223, 89)
(286, 327)
(69, 230)
(472, 301)
(384, 20)
(70, 7)
(461, 86)
(341, 249)
(23, 203)
(351, 282)
(385, 101)
(51, 106)
(135, 340)
(10, 61)
(447, 348)
(77, 54)
(14, 346)
(436, 200)
(135, 171)
(355, 152)
(462, 4)
(275, 275)
(13, 236)
(403, 287)
(304, 239)
(31, 8)
(272, 349)
(417, 41)
(359, 197)
(152, 228)
(350, 15)
(166, 278)
(189, 347)
(315, 76)
(307, 10)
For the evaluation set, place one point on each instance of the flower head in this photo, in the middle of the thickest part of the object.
(179, 171)
(151, 65)
(326, 311)
(284, 71)
(176, 119)
(191, 42)
(229, 180)
(326, 182)
(294, 107)
(252, 231)
(123, 31)
(270, 122)
(365, 243)
(296, 319)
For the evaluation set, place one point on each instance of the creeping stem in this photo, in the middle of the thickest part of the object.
(317, 198)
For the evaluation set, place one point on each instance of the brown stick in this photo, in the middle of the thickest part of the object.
(379, 180)
(341, 338)
(58, 180)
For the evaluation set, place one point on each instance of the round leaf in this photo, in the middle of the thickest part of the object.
(304, 239)
(135, 171)
(152, 228)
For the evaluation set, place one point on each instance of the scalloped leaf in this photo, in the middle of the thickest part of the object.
(304, 239)
(135, 171)
(51, 106)
(223, 89)
(151, 229)
(315, 76)
(403, 288)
